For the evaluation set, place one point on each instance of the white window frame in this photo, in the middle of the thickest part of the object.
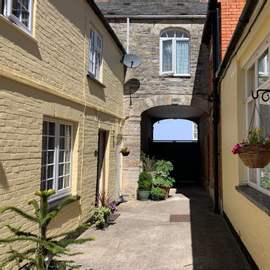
(95, 50)
(174, 41)
(248, 100)
(65, 191)
(16, 20)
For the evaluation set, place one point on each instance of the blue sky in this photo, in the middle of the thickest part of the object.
(173, 130)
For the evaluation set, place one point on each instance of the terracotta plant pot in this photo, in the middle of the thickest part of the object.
(255, 156)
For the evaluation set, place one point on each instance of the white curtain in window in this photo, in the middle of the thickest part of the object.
(167, 56)
(182, 57)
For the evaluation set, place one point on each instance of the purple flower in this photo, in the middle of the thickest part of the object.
(236, 149)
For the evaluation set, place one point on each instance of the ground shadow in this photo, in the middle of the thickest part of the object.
(3, 177)
(213, 245)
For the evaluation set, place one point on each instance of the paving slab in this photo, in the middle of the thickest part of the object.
(181, 233)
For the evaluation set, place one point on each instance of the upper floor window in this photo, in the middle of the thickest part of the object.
(19, 12)
(174, 53)
(95, 57)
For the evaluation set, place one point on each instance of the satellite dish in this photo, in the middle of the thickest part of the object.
(131, 61)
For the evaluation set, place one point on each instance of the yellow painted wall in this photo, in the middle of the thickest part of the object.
(251, 223)
(46, 75)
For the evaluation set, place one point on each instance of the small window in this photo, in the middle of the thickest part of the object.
(56, 157)
(95, 55)
(174, 53)
(20, 12)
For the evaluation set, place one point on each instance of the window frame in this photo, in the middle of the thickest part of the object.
(65, 191)
(249, 100)
(96, 49)
(174, 40)
(7, 12)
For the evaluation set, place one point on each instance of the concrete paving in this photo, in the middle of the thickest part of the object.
(144, 238)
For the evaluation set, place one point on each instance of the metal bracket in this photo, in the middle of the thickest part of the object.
(265, 94)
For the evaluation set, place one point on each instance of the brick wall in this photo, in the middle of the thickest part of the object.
(230, 13)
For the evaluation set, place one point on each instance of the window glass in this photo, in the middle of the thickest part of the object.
(56, 156)
(251, 80)
(167, 55)
(95, 54)
(263, 72)
(175, 52)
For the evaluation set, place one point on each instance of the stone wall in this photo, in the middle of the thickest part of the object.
(150, 89)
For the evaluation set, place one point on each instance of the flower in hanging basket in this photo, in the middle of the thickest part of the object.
(125, 152)
(255, 151)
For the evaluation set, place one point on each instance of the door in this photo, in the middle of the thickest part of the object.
(101, 164)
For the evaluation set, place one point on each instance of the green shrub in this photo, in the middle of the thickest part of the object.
(99, 217)
(163, 168)
(145, 181)
(159, 181)
(158, 194)
(148, 163)
(45, 252)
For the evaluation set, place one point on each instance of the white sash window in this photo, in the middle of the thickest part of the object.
(174, 53)
(95, 55)
(19, 12)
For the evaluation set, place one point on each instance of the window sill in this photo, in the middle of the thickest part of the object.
(91, 77)
(16, 27)
(184, 76)
(261, 200)
(55, 202)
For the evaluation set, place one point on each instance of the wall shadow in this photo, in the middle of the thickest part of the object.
(213, 245)
(3, 178)
(95, 89)
(22, 40)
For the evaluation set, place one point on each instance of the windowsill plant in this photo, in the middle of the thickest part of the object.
(255, 150)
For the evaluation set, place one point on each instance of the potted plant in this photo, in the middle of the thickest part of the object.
(162, 177)
(158, 194)
(255, 150)
(144, 186)
(124, 151)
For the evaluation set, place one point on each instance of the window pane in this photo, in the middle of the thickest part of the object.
(60, 183)
(253, 176)
(50, 157)
(264, 118)
(16, 8)
(66, 184)
(61, 170)
(182, 57)
(20, 9)
(265, 178)
(51, 143)
(251, 80)
(263, 73)
(167, 56)
(52, 128)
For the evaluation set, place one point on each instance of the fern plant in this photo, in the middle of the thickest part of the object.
(46, 252)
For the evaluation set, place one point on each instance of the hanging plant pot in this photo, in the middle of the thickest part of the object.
(125, 152)
(255, 156)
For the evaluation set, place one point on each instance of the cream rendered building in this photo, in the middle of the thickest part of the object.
(245, 69)
(61, 106)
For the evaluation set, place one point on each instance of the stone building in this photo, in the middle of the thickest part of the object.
(61, 107)
(171, 81)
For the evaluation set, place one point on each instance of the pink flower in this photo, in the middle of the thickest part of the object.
(236, 149)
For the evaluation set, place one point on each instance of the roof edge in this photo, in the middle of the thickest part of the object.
(199, 16)
(106, 25)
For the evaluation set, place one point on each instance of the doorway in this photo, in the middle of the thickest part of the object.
(101, 163)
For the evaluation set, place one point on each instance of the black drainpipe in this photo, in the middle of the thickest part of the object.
(216, 29)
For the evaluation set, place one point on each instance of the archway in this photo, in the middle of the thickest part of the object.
(173, 133)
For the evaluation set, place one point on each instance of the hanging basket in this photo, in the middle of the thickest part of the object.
(255, 156)
(125, 152)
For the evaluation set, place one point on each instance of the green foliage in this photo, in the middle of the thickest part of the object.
(158, 194)
(99, 217)
(145, 181)
(163, 168)
(47, 250)
(159, 181)
(148, 163)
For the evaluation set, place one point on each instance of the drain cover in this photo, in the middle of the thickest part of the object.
(179, 218)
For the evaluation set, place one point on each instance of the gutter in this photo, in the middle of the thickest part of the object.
(155, 17)
(106, 25)
(240, 28)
